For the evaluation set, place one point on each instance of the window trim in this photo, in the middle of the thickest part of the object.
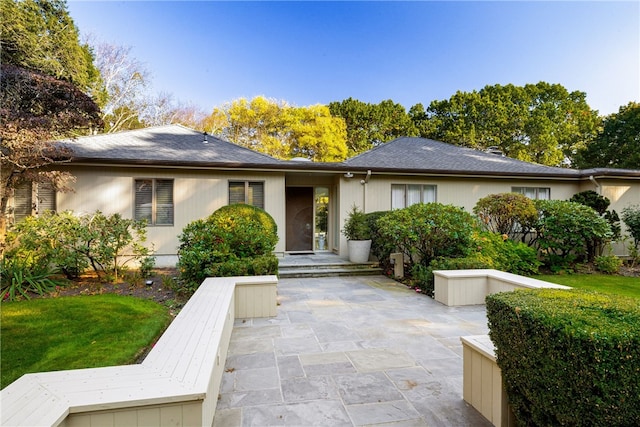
(246, 183)
(154, 201)
(516, 189)
(422, 191)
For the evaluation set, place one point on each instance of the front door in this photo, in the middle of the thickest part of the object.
(299, 219)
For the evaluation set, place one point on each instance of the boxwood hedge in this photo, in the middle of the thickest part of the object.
(235, 240)
(568, 357)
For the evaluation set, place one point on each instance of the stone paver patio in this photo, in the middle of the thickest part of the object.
(347, 351)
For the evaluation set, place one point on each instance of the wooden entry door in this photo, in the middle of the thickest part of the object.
(299, 218)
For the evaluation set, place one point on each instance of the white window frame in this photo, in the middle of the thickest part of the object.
(534, 193)
(405, 195)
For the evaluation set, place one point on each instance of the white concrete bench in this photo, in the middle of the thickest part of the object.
(471, 287)
(176, 384)
(482, 381)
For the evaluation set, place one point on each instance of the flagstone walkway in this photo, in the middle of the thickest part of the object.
(350, 351)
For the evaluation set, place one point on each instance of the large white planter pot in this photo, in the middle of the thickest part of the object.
(359, 250)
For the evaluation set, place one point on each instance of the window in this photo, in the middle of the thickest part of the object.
(247, 192)
(534, 193)
(404, 195)
(23, 199)
(154, 201)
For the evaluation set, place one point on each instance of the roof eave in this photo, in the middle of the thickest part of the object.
(343, 167)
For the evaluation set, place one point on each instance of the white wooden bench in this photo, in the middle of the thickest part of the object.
(481, 377)
(471, 287)
(482, 381)
(176, 384)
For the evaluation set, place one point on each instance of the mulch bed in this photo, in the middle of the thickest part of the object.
(158, 290)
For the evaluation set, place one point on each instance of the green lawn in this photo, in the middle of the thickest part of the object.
(620, 285)
(76, 332)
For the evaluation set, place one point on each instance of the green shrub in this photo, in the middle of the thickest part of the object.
(50, 239)
(425, 231)
(599, 204)
(609, 264)
(257, 266)
(498, 252)
(236, 240)
(564, 230)
(380, 247)
(246, 229)
(70, 244)
(631, 218)
(512, 214)
(489, 250)
(568, 357)
(111, 242)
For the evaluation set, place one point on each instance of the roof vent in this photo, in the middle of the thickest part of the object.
(205, 140)
(494, 149)
(300, 159)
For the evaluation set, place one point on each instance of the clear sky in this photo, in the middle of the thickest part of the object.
(209, 52)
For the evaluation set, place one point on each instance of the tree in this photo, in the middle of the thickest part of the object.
(316, 135)
(125, 82)
(617, 145)
(369, 125)
(163, 109)
(40, 35)
(631, 218)
(420, 120)
(281, 130)
(36, 109)
(510, 214)
(45, 74)
(564, 231)
(542, 123)
(599, 204)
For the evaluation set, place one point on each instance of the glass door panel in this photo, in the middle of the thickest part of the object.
(321, 209)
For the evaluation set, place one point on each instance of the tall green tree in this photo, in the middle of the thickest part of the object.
(40, 35)
(542, 123)
(46, 75)
(281, 130)
(369, 125)
(420, 120)
(618, 144)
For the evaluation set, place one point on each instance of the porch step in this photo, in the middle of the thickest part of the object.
(328, 270)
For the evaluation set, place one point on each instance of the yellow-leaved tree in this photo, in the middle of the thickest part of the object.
(281, 130)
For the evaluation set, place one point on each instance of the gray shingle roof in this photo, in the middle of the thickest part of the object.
(412, 154)
(164, 145)
(176, 145)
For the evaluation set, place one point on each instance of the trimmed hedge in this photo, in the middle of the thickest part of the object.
(568, 357)
(235, 240)
(425, 231)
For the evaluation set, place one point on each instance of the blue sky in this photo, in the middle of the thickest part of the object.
(210, 52)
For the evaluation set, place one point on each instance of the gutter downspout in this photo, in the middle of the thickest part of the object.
(364, 183)
(592, 179)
